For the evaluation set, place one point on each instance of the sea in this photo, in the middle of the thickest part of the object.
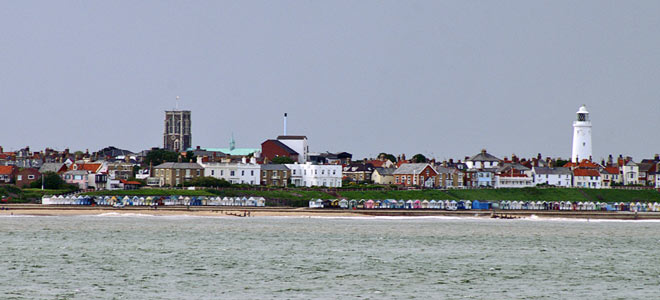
(130, 256)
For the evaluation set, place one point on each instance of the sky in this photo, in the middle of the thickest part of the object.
(441, 78)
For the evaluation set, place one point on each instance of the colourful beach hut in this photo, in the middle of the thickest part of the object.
(425, 204)
(417, 204)
(369, 204)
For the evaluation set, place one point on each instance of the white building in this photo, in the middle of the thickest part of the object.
(630, 173)
(561, 177)
(482, 160)
(297, 143)
(513, 181)
(581, 136)
(315, 175)
(587, 178)
(236, 173)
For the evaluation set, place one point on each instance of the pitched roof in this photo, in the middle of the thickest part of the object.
(411, 168)
(89, 167)
(283, 146)
(483, 156)
(51, 167)
(586, 172)
(385, 171)
(612, 170)
(552, 171)
(7, 170)
(274, 167)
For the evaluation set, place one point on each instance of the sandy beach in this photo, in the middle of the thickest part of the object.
(233, 212)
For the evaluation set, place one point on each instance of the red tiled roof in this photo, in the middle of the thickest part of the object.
(7, 170)
(585, 172)
(376, 163)
(89, 167)
(511, 175)
(587, 164)
(569, 165)
(129, 182)
(401, 162)
(612, 170)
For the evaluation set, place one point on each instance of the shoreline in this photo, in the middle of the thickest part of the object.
(228, 211)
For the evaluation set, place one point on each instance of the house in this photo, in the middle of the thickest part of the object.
(176, 173)
(646, 176)
(416, 174)
(482, 160)
(560, 177)
(449, 177)
(7, 173)
(358, 172)
(630, 173)
(309, 175)
(383, 175)
(57, 168)
(25, 177)
(79, 178)
(587, 178)
(611, 176)
(512, 179)
(275, 175)
(297, 143)
(243, 172)
(271, 149)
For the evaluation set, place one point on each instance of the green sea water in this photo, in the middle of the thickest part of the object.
(145, 257)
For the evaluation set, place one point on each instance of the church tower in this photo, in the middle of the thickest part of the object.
(177, 136)
(581, 136)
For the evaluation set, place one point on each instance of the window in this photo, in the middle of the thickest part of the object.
(29, 177)
(222, 172)
(212, 172)
(231, 173)
(198, 172)
(334, 172)
(322, 172)
(187, 172)
(177, 172)
(243, 173)
(263, 174)
(252, 173)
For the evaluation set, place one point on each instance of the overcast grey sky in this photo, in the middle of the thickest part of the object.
(441, 78)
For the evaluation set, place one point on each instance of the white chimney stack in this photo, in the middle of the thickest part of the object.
(284, 123)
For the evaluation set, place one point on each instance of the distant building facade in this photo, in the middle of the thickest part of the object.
(174, 174)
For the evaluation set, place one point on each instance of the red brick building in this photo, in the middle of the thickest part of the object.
(416, 175)
(274, 148)
(27, 176)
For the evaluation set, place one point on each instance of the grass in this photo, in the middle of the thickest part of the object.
(26, 195)
(396, 194)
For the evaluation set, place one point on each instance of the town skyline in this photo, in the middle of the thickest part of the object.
(441, 79)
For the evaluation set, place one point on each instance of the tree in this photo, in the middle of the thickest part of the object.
(208, 182)
(190, 156)
(282, 160)
(419, 158)
(159, 156)
(560, 162)
(388, 156)
(52, 181)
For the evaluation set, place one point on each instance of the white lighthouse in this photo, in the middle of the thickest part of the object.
(581, 136)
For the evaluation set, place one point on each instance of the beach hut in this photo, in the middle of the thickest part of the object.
(319, 203)
(468, 204)
(433, 204)
(425, 204)
(261, 202)
(453, 205)
(343, 203)
(312, 203)
(378, 203)
(352, 204)
(460, 205)
(417, 204)
(409, 204)
(369, 204)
